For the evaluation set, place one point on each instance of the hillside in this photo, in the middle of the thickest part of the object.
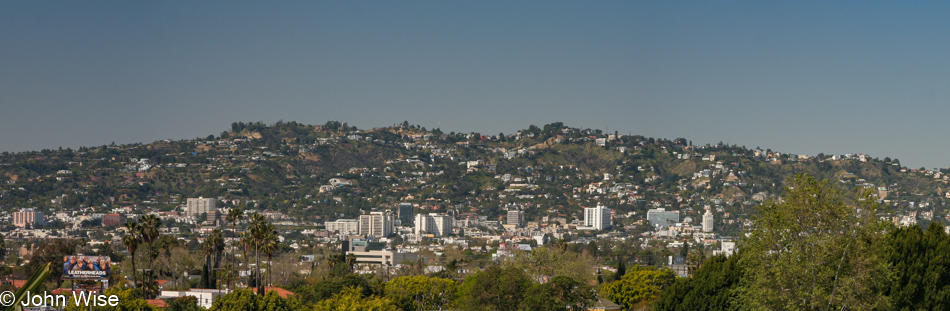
(552, 170)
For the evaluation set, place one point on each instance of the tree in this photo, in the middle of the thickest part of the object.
(52, 251)
(420, 292)
(3, 248)
(269, 247)
(712, 287)
(149, 227)
(621, 269)
(351, 299)
(213, 247)
(561, 293)
(815, 249)
(494, 288)
(128, 301)
(234, 215)
(260, 230)
(185, 303)
(131, 239)
(922, 268)
(247, 300)
(638, 287)
(592, 248)
(553, 260)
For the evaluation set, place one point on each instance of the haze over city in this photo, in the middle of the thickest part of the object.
(805, 78)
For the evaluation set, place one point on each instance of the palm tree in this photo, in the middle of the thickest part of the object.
(131, 240)
(150, 233)
(213, 247)
(246, 241)
(258, 229)
(234, 215)
(150, 285)
(270, 246)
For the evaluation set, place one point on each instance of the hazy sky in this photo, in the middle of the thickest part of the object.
(801, 77)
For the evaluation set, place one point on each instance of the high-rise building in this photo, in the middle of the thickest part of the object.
(597, 218)
(406, 213)
(27, 217)
(377, 224)
(197, 206)
(344, 226)
(516, 218)
(708, 220)
(435, 224)
(661, 218)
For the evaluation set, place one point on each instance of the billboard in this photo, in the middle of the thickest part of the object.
(87, 267)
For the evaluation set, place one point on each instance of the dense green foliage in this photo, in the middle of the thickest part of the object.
(712, 287)
(638, 287)
(921, 262)
(817, 249)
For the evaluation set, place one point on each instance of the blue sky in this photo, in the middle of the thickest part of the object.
(800, 77)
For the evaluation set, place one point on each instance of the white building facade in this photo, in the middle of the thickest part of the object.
(435, 224)
(376, 224)
(597, 218)
(344, 226)
(708, 221)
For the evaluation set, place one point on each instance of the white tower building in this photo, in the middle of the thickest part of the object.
(597, 218)
(708, 220)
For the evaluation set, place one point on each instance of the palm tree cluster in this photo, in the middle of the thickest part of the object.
(145, 230)
(263, 236)
(213, 248)
(234, 215)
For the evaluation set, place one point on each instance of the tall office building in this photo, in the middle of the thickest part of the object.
(708, 220)
(197, 206)
(406, 213)
(377, 224)
(435, 224)
(27, 217)
(597, 217)
(661, 218)
(516, 218)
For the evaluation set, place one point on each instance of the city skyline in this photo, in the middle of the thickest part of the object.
(803, 78)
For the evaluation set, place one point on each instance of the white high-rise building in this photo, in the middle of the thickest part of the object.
(708, 220)
(435, 224)
(597, 218)
(377, 224)
(344, 226)
(197, 206)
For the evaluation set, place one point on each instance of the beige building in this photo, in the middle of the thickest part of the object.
(344, 226)
(433, 223)
(26, 217)
(197, 206)
(376, 224)
(385, 258)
